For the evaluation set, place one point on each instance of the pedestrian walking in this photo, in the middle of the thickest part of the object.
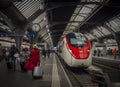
(34, 59)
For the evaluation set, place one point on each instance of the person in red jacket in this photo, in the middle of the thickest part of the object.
(114, 52)
(34, 58)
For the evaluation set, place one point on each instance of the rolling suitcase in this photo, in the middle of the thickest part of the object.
(38, 72)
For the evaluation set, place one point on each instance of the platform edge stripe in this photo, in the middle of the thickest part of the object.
(55, 76)
(69, 82)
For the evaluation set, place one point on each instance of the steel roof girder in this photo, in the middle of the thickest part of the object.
(101, 33)
(65, 22)
(53, 7)
(9, 23)
(35, 15)
(44, 35)
(109, 29)
(62, 4)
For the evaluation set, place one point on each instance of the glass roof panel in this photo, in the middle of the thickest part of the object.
(43, 24)
(113, 26)
(31, 11)
(66, 32)
(99, 31)
(43, 30)
(90, 6)
(21, 4)
(84, 15)
(17, 3)
(67, 27)
(72, 27)
(79, 18)
(77, 10)
(101, 34)
(72, 18)
(114, 23)
(88, 36)
(69, 24)
(46, 36)
(4, 27)
(104, 30)
(91, 36)
(28, 7)
(95, 32)
(24, 5)
(85, 10)
(117, 20)
(108, 24)
(75, 24)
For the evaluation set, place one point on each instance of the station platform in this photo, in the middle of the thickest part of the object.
(109, 57)
(54, 75)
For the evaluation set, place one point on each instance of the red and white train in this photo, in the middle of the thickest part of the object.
(75, 50)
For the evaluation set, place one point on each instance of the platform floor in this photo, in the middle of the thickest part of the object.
(111, 57)
(53, 76)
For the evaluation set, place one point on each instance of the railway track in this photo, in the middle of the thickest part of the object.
(108, 76)
(78, 77)
(111, 70)
(83, 78)
(110, 64)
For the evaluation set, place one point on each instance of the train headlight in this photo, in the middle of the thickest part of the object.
(70, 51)
(88, 51)
(81, 51)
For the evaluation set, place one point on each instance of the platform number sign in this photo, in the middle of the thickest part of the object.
(31, 35)
(4, 35)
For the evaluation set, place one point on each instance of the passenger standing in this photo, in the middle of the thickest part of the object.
(4, 53)
(114, 52)
(13, 50)
(95, 51)
(44, 52)
(109, 51)
(34, 59)
(98, 52)
(1, 53)
(48, 53)
(22, 62)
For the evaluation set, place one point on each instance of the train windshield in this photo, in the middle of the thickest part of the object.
(77, 40)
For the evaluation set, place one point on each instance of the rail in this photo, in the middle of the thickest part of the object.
(111, 70)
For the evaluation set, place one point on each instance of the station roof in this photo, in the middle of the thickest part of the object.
(59, 17)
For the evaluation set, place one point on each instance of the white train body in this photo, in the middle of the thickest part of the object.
(67, 54)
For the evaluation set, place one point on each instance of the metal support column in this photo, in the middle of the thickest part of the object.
(18, 34)
(18, 40)
(37, 36)
(7, 20)
(112, 32)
